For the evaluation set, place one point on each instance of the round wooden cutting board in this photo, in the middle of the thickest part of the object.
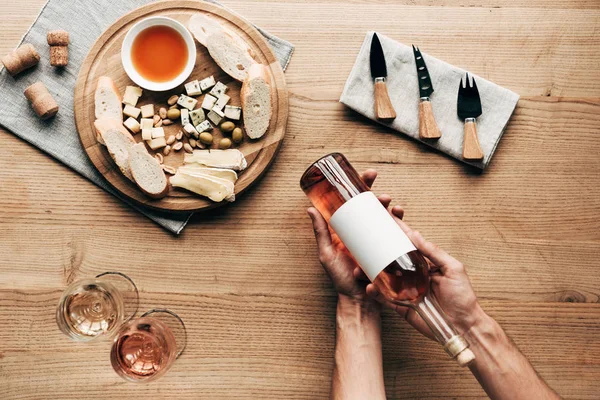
(105, 59)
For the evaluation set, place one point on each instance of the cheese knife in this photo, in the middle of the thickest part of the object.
(383, 105)
(428, 128)
(468, 109)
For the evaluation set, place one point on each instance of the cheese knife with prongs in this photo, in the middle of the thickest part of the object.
(428, 128)
(469, 108)
(383, 105)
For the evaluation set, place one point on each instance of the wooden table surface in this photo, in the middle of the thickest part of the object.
(259, 309)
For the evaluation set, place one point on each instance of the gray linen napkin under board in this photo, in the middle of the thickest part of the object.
(85, 20)
(497, 102)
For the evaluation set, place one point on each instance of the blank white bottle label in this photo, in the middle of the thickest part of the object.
(370, 233)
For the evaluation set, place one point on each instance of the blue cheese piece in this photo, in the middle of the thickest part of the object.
(193, 88)
(185, 116)
(158, 133)
(233, 112)
(209, 102)
(218, 90)
(204, 126)
(215, 116)
(187, 102)
(197, 116)
(207, 83)
(222, 102)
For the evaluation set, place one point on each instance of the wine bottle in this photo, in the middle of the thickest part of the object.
(381, 248)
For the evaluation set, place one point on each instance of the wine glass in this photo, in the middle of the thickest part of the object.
(146, 347)
(91, 308)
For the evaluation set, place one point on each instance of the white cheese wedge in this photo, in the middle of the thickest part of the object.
(215, 115)
(209, 102)
(189, 129)
(131, 111)
(193, 88)
(157, 143)
(146, 123)
(185, 116)
(158, 133)
(197, 116)
(233, 112)
(216, 189)
(147, 111)
(187, 102)
(147, 134)
(218, 90)
(228, 159)
(132, 95)
(204, 126)
(207, 83)
(133, 125)
(222, 173)
(222, 102)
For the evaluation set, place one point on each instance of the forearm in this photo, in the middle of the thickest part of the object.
(501, 369)
(358, 369)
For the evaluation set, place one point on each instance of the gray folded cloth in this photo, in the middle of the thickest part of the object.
(497, 103)
(85, 20)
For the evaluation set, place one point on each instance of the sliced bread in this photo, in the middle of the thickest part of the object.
(107, 100)
(229, 51)
(147, 172)
(256, 101)
(118, 142)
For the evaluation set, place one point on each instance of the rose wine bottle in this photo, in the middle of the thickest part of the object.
(379, 245)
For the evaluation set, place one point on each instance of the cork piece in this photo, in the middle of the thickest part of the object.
(59, 56)
(58, 38)
(21, 59)
(41, 100)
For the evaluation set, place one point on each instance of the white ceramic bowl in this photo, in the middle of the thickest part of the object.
(128, 64)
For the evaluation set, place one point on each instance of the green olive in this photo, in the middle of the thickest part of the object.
(206, 138)
(237, 136)
(173, 114)
(227, 126)
(225, 144)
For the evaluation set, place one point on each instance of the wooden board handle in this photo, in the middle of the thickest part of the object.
(471, 147)
(428, 128)
(383, 104)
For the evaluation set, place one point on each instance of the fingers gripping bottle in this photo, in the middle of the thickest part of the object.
(379, 245)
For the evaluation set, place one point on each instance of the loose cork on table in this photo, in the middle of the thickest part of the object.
(41, 100)
(59, 51)
(21, 59)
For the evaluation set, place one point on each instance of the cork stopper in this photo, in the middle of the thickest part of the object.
(21, 59)
(58, 38)
(41, 100)
(465, 357)
(59, 56)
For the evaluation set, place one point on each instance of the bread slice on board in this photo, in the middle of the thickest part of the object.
(118, 142)
(147, 172)
(229, 51)
(107, 100)
(256, 101)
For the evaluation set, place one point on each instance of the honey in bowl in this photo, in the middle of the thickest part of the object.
(159, 53)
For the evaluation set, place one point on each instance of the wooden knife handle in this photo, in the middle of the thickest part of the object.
(383, 104)
(471, 147)
(428, 128)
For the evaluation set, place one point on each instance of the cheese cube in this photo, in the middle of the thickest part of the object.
(131, 111)
(134, 90)
(189, 129)
(233, 112)
(187, 102)
(157, 143)
(209, 102)
(185, 116)
(147, 134)
(132, 95)
(204, 126)
(193, 88)
(215, 116)
(157, 133)
(132, 125)
(148, 111)
(222, 102)
(207, 83)
(218, 90)
(147, 123)
(197, 116)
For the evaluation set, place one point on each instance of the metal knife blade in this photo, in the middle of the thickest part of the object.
(425, 86)
(378, 68)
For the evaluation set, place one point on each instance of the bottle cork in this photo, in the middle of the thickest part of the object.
(41, 100)
(21, 59)
(59, 52)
